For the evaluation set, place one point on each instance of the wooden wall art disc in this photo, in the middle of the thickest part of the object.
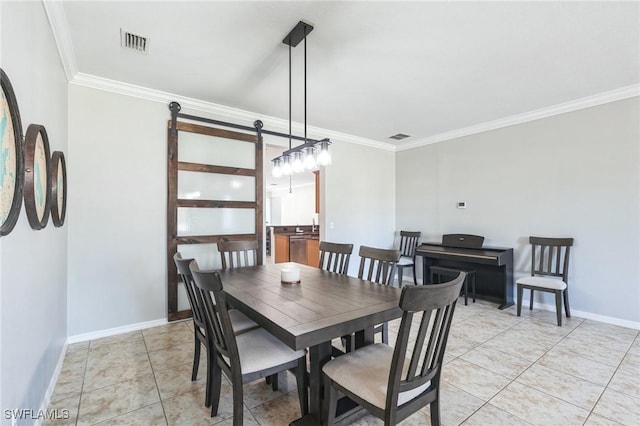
(37, 182)
(11, 158)
(58, 188)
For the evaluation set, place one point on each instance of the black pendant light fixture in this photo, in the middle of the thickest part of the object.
(311, 154)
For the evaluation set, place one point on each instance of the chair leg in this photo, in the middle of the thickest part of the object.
(331, 398)
(210, 366)
(519, 304)
(196, 355)
(215, 384)
(238, 404)
(415, 277)
(434, 409)
(466, 290)
(301, 383)
(385, 333)
(565, 294)
(473, 287)
(531, 300)
(559, 307)
(274, 382)
(400, 276)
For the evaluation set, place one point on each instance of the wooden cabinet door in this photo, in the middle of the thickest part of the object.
(282, 248)
(313, 253)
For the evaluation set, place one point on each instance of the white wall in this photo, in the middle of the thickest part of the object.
(357, 198)
(573, 175)
(33, 263)
(299, 208)
(117, 228)
(117, 234)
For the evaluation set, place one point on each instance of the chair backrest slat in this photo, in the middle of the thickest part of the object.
(334, 257)
(408, 243)
(235, 254)
(381, 264)
(437, 304)
(550, 256)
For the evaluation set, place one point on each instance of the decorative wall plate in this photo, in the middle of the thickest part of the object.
(58, 188)
(37, 182)
(11, 159)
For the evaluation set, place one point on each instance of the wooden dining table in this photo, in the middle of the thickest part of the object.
(322, 307)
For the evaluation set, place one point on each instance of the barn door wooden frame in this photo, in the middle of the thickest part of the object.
(173, 202)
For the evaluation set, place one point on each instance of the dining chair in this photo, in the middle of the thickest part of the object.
(393, 383)
(239, 321)
(240, 254)
(549, 272)
(237, 254)
(408, 243)
(335, 257)
(245, 357)
(378, 265)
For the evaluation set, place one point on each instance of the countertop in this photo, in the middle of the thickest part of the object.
(302, 235)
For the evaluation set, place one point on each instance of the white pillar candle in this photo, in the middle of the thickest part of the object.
(290, 275)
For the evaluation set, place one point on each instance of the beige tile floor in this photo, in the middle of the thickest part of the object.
(500, 369)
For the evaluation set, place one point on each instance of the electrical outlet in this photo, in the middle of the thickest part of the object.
(331, 225)
(461, 204)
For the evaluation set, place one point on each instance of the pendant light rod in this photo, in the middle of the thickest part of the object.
(305, 135)
(305, 88)
(311, 154)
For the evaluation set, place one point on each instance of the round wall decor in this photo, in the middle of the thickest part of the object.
(37, 182)
(58, 188)
(11, 159)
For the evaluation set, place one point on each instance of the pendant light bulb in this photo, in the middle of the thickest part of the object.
(309, 158)
(276, 172)
(297, 164)
(324, 158)
(286, 165)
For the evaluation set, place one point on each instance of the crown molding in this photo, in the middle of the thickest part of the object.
(219, 111)
(280, 125)
(578, 104)
(60, 28)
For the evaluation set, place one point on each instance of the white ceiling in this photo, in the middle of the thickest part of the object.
(374, 68)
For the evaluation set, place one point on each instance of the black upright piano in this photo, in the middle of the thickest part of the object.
(493, 266)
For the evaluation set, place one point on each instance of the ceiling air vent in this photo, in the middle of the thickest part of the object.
(399, 136)
(134, 42)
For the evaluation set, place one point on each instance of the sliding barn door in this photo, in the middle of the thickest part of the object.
(214, 194)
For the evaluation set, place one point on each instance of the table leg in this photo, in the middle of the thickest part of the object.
(319, 355)
(364, 337)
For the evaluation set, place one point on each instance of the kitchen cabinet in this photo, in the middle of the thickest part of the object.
(313, 253)
(282, 248)
(302, 249)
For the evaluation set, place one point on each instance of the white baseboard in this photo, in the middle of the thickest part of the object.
(52, 384)
(116, 330)
(586, 315)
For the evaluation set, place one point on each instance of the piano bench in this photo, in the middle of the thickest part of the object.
(442, 271)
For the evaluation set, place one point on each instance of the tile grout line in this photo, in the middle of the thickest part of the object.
(501, 389)
(155, 380)
(84, 375)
